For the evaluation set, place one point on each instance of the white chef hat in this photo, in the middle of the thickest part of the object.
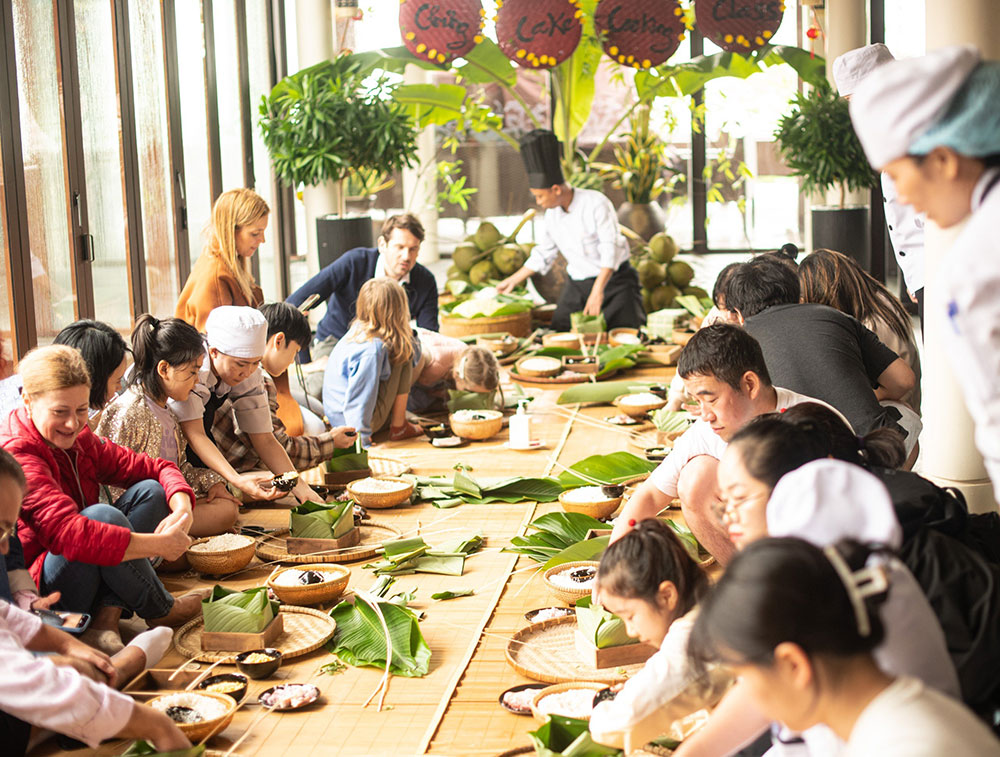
(853, 67)
(900, 102)
(237, 331)
(828, 500)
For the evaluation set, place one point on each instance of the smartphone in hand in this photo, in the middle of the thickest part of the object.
(71, 622)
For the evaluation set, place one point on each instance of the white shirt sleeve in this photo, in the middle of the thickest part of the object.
(544, 252)
(906, 232)
(697, 440)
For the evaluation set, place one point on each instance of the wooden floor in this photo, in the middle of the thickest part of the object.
(453, 710)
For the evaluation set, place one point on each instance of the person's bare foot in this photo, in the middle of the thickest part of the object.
(185, 607)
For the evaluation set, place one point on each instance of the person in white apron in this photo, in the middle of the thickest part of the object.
(933, 125)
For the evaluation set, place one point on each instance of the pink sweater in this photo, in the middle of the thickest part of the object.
(43, 694)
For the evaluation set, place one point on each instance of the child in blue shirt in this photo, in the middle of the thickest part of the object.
(368, 376)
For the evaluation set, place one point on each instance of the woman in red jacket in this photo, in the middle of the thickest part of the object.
(98, 556)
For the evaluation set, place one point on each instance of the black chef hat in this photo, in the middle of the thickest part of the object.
(540, 152)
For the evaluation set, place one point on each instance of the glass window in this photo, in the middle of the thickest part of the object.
(194, 120)
(228, 89)
(38, 89)
(7, 352)
(905, 27)
(149, 87)
(260, 85)
(102, 160)
(752, 201)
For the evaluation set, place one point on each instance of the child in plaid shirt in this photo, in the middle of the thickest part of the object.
(287, 332)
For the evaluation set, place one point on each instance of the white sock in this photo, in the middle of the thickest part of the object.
(154, 643)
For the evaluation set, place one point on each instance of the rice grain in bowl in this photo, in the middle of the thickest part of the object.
(589, 500)
(384, 492)
(198, 715)
(476, 424)
(573, 700)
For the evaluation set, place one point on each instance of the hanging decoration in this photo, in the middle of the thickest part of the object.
(814, 32)
(739, 26)
(538, 33)
(640, 33)
(441, 30)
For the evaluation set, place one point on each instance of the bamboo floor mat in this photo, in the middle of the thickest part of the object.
(454, 709)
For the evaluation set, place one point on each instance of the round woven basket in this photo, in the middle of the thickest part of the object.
(499, 344)
(596, 509)
(273, 548)
(380, 500)
(569, 596)
(566, 339)
(199, 731)
(614, 337)
(220, 563)
(477, 430)
(517, 324)
(594, 686)
(530, 373)
(311, 594)
(637, 411)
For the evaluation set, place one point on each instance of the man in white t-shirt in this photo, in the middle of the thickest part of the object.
(723, 369)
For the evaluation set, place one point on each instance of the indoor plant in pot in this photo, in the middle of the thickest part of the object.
(818, 144)
(329, 122)
(639, 170)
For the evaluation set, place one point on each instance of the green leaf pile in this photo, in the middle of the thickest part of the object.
(312, 520)
(561, 736)
(413, 555)
(464, 489)
(229, 611)
(671, 421)
(553, 533)
(360, 639)
(351, 458)
(588, 324)
(614, 468)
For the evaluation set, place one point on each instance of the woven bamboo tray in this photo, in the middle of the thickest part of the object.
(518, 324)
(305, 630)
(547, 652)
(272, 548)
(577, 379)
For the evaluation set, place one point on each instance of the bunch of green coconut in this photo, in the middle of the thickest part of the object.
(486, 256)
(662, 278)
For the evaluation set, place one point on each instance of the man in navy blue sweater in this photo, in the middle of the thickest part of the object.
(395, 257)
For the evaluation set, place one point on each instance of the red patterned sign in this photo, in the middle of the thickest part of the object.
(739, 26)
(538, 33)
(441, 30)
(640, 33)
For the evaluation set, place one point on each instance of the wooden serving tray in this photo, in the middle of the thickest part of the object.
(243, 642)
(612, 657)
(155, 681)
(299, 546)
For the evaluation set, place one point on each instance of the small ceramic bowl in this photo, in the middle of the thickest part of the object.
(223, 678)
(258, 670)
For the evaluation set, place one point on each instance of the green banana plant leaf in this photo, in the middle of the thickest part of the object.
(601, 628)
(486, 63)
(611, 366)
(452, 594)
(588, 324)
(467, 490)
(607, 354)
(143, 748)
(553, 533)
(351, 458)
(671, 421)
(360, 639)
(312, 520)
(588, 549)
(688, 539)
(441, 563)
(604, 392)
(229, 611)
(461, 400)
(560, 736)
(465, 484)
(614, 468)
(468, 545)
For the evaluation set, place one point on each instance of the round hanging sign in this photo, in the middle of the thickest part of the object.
(441, 30)
(538, 33)
(739, 26)
(640, 33)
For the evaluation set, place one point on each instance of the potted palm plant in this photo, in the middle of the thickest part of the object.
(818, 143)
(332, 122)
(639, 170)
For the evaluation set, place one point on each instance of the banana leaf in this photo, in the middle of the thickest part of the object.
(692, 304)
(554, 533)
(609, 355)
(604, 392)
(231, 611)
(588, 324)
(360, 638)
(601, 628)
(453, 594)
(351, 458)
(561, 736)
(588, 549)
(466, 489)
(459, 400)
(688, 539)
(142, 748)
(619, 364)
(468, 545)
(441, 563)
(614, 468)
(465, 484)
(671, 421)
(312, 520)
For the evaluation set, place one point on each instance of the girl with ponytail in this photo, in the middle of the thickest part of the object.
(800, 626)
(168, 355)
(648, 579)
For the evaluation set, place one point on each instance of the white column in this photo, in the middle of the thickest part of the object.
(948, 451)
(420, 182)
(846, 29)
(314, 38)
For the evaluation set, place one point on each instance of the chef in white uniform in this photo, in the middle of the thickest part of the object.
(906, 225)
(582, 225)
(933, 124)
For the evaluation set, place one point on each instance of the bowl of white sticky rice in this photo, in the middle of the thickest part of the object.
(638, 404)
(571, 700)
(225, 553)
(570, 581)
(539, 366)
(382, 492)
(621, 337)
(589, 500)
(476, 424)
